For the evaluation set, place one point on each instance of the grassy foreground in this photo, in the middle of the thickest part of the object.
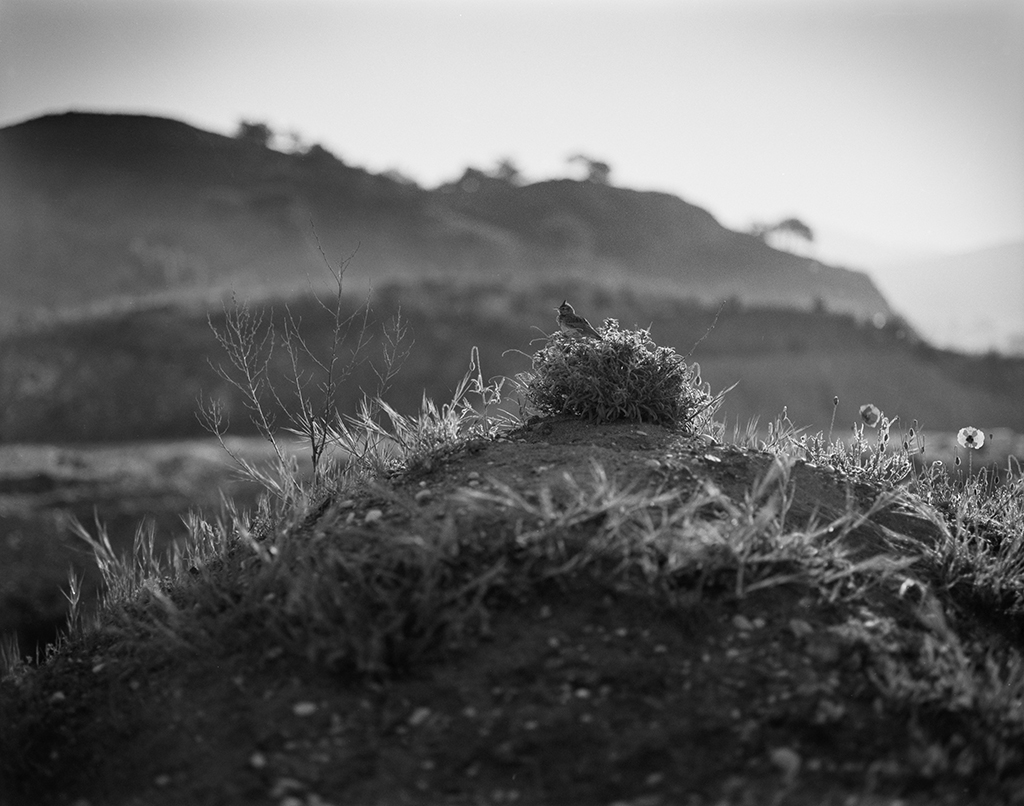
(551, 612)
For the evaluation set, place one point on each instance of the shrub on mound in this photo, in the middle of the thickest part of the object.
(626, 376)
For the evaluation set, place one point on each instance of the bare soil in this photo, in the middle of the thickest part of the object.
(574, 694)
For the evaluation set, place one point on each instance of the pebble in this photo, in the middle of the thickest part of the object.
(304, 708)
(742, 623)
(284, 786)
(372, 516)
(423, 496)
(787, 760)
(419, 716)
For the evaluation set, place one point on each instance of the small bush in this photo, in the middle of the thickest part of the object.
(626, 376)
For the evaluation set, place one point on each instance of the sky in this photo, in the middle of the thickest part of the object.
(897, 123)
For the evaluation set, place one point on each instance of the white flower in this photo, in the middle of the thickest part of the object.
(971, 437)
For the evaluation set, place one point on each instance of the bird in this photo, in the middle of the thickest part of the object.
(572, 324)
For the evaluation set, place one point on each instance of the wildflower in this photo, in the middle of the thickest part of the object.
(970, 437)
(870, 414)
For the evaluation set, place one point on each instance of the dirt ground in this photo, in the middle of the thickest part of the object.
(120, 485)
(577, 694)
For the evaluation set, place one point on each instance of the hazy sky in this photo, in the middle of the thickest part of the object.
(899, 122)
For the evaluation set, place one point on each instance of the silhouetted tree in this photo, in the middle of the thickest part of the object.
(796, 227)
(597, 172)
(787, 226)
(760, 230)
(250, 131)
(398, 177)
(472, 180)
(317, 153)
(507, 171)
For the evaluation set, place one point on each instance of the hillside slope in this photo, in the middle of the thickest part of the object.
(140, 373)
(975, 299)
(567, 614)
(94, 205)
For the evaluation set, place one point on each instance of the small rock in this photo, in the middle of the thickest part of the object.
(257, 760)
(742, 623)
(799, 627)
(57, 696)
(473, 475)
(372, 516)
(423, 496)
(788, 762)
(419, 716)
(304, 708)
(285, 786)
(545, 611)
(162, 781)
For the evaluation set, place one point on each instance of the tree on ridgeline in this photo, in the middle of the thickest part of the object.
(256, 132)
(507, 171)
(783, 235)
(598, 172)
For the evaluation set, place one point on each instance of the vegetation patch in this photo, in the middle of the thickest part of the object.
(622, 376)
(486, 607)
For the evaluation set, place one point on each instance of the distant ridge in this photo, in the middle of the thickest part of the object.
(974, 299)
(98, 205)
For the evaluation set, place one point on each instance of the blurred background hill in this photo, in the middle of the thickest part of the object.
(99, 206)
(123, 234)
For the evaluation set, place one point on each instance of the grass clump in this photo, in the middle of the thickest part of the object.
(625, 376)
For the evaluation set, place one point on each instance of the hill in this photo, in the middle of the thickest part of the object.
(954, 298)
(140, 372)
(558, 613)
(96, 206)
